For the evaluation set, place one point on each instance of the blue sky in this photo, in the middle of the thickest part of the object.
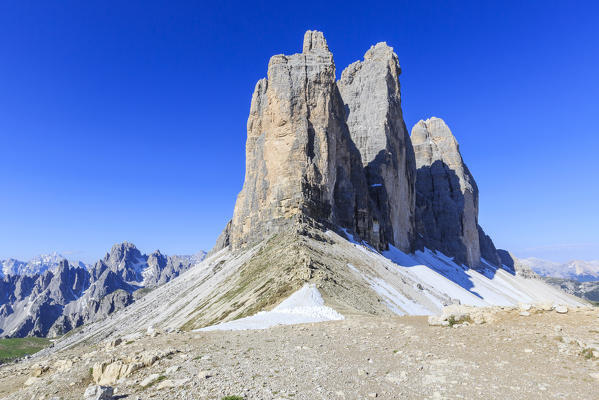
(126, 120)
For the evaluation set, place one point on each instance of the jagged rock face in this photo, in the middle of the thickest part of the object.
(34, 311)
(371, 94)
(447, 197)
(446, 193)
(298, 158)
(65, 297)
(124, 259)
(332, 152)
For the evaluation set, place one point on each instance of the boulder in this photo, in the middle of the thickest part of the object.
(561, 309)
(96, 392)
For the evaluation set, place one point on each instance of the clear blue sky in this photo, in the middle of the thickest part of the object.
(125, 120)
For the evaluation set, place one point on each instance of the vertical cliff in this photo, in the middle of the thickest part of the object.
(299, 158)
(327, 151)
(446, 193)
(371, 94)
(447, 197)
(339, 154)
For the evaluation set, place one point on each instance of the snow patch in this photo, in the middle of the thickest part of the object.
(305, 305)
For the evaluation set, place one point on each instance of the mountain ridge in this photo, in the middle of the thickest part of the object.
(63, 297)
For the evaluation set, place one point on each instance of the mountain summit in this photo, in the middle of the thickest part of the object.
(327, 152)
(337, 154)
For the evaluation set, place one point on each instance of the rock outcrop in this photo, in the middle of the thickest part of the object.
(371, 93)
(447, 197)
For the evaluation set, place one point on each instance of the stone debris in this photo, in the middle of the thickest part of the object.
(524, 306)
(560, 309)
(107, 373)
(204, 375)
(38, 369)
(95, 392)
(149, 380)
(31, 381)
(410, 359)
(172, 369)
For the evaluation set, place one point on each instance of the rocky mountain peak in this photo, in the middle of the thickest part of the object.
(433, 140)
(371, 95)
(382, 52)
(124, 252)
(447, 197)
(69, 295)
(331, 152)
(314, 42)
(295, 118)
(63, 265)
(337, 153)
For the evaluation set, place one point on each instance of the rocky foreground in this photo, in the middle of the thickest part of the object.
(508, 353)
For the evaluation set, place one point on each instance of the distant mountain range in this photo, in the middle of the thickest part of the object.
(37, 265)
(581, 271)
(580, 278)
(49, 295)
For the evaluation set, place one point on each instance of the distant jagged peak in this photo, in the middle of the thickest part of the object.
(50, 258)
(35, 266)
(122, 252)
(157, 254)
(63, 264)
(314, 42)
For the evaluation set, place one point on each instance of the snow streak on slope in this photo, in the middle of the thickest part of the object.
(393, 299)
(487, 286)
(305, 305)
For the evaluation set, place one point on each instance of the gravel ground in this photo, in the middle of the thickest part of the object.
(544, 355)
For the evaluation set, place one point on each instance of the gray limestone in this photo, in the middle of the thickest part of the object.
(447, 197)
(65, 297)
(371, 94)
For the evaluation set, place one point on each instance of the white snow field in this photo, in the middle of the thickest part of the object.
(305, 305)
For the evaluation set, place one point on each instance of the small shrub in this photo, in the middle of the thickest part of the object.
(232, 398)
(159, 379)
(587, 353)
